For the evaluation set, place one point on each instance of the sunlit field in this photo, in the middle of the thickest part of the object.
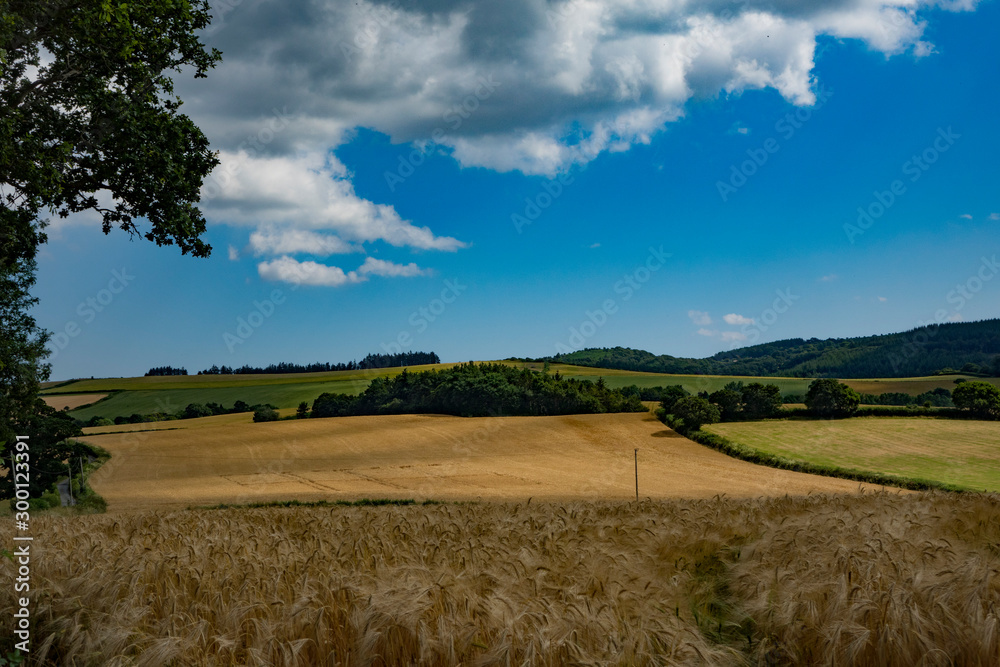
(868, 579)
(230, 459)
(965, 453)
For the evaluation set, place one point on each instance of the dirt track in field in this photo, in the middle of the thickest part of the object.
(225, 460)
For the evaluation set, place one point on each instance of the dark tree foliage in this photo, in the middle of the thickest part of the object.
(981, 399)
(761, 401)
(166, 370)
(829, 398)
(730, 404)
(369, 362)
(670, 395)
(922, 351)
(477, 390)
(696, 412)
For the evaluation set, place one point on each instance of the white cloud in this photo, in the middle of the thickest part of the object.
(305, 193)
(733, 336)
(234, 254)
(381, 267)
(967, 216)
(994, 216)
(829, 278)
(735, 320)
(288, 270)
(955, 317)
(882, 299)
(595, 245)
(699, 317)
(295, 241)
(707, 332)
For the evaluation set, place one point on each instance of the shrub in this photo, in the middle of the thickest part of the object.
(696, 411)
(830, 398)
(265, 413)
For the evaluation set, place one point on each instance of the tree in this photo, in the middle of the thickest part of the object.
(671, 395)
(302, 411)
(696, 411)
(982, 399)
(761, 401)
(829, 398)
(92, 126)
(730, 404)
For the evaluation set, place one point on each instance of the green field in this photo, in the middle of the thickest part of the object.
(145, 395)
(963, 453)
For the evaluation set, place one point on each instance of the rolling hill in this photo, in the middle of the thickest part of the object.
(972, 347)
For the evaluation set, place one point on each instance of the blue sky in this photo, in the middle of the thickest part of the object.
(325, 258)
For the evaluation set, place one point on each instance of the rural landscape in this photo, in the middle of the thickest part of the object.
(499, 332)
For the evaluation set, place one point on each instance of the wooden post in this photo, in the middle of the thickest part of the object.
(636, 475)
(69, 482)
(81, 475)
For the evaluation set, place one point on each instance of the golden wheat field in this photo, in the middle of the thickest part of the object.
(71, 401)
(229, 459)
(863, 579)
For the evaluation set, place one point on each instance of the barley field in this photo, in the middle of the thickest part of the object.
(229, 459)
(869, 579)
(71, 401)
(965, 453)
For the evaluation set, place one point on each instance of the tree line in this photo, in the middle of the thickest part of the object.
(478, 390)
(826, 398)
(190, 411)
(369, 362)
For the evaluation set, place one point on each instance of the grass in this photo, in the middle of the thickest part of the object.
(862, 580)
(959, 453)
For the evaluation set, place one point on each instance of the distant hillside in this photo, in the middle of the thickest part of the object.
(969, 347)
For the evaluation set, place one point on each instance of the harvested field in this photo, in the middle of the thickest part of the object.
(884, 579)
(71, 401)
(229, 459)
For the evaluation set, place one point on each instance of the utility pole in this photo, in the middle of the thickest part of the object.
(637, 475)
(81, 475)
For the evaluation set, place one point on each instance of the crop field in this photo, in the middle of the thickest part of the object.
(230, 459)
(961, 452)
(871, 579)
(71, 401)
(144, 395)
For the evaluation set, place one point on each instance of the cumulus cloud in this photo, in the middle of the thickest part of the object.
(303, 195)
(535, 86)
(707, 332)
(699, 317)
(736, 320)
(733, 336)
(234, 254)
(289, 270)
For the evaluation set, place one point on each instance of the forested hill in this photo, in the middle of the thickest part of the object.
(970, 347)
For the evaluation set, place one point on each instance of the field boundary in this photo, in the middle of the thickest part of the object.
(746, 453)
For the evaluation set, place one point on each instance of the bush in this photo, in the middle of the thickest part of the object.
(670, 395)
(265, 413)
(98, 421)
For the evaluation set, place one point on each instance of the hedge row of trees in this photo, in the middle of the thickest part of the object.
(369, 362)
(478, 390)
(826, 398)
